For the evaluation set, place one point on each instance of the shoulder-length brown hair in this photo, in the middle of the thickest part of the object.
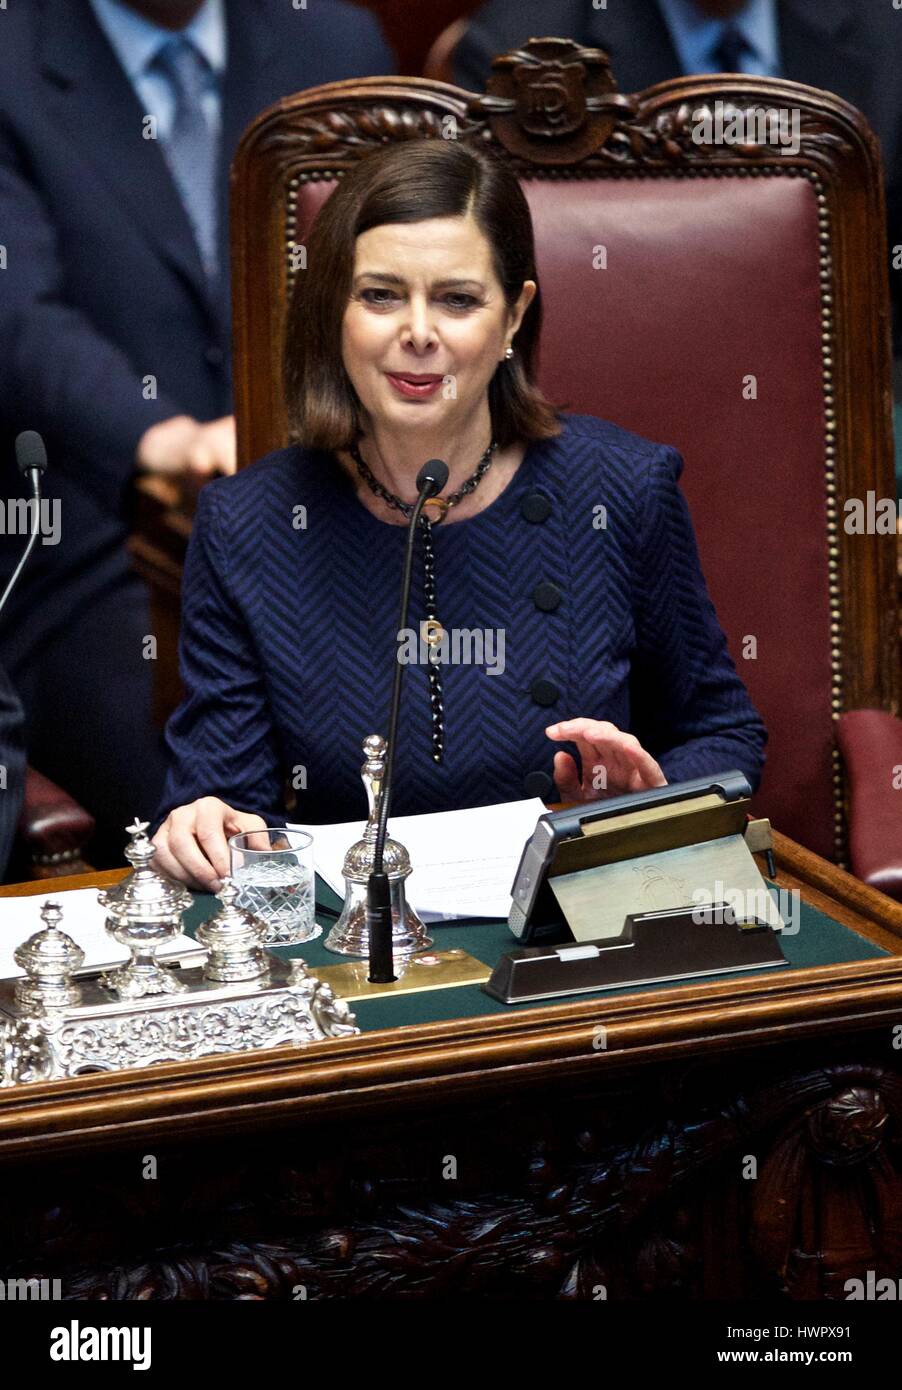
(409, 182)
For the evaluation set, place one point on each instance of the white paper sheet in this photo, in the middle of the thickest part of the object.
(83, 919)
(463, 861)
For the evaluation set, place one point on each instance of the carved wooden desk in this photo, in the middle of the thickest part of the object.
(733, 1138)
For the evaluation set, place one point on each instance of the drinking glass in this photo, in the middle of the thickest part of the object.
(273, 872)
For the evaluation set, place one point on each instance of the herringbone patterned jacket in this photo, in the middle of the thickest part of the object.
(578, 591)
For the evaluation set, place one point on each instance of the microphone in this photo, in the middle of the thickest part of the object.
(433, 475)
(30, 452)
(31, 457)
(431, 478)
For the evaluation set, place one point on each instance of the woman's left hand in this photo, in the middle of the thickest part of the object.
(613, 762)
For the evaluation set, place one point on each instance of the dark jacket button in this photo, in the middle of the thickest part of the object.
(536, 506)
(214, 355)
(547, 596)
(544, 692)
(537, 784)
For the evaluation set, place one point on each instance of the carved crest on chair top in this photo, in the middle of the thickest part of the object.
(548, 91)
(551, 100)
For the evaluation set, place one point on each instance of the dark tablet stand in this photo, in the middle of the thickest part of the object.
(653, 947)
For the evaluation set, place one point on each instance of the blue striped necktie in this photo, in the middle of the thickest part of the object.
(192, 148)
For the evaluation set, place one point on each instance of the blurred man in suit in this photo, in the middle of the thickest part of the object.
(12, 767)
(849, 47)
(118, 121)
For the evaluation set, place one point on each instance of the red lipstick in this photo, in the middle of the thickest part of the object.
(415, 386)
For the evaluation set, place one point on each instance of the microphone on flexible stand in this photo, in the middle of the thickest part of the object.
(31, 457)
(431, 478)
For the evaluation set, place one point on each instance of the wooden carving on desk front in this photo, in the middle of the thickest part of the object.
(587, 1198)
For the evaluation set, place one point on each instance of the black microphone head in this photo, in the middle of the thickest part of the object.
(435, 473)
(30, 451)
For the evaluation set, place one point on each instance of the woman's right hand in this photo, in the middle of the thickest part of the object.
(192, 843)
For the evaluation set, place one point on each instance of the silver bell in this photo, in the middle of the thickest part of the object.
(350, 936)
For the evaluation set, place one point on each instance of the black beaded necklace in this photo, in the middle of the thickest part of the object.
(434, 632)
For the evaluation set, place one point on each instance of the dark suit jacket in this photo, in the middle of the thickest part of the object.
(12, 761)
(850, 47)
(104, 286)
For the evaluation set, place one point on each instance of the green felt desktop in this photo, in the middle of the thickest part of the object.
(819, 940)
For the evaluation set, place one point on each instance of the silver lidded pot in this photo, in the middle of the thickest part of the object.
(144, 912)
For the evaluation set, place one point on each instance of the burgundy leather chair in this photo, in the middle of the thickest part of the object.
(52, 833)
(742, 316)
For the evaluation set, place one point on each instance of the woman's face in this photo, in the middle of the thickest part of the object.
(425, 302)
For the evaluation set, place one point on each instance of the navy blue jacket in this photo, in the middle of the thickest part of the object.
(103, 286)
(290, 615)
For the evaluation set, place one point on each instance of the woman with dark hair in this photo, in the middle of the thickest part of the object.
(557, 598)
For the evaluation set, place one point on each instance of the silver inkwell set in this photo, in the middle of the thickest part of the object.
(60, 1020)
